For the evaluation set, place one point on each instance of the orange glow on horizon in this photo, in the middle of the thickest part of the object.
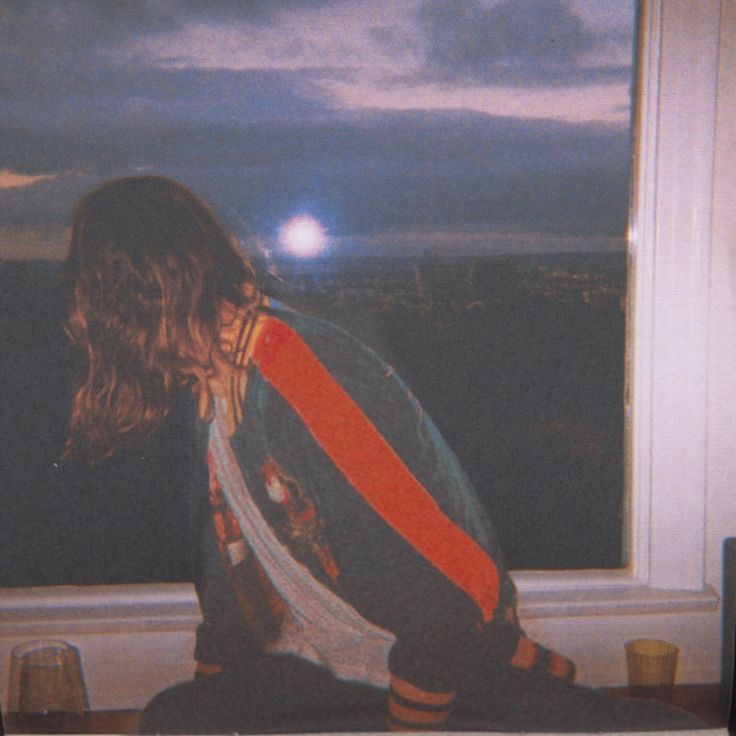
(10, 179)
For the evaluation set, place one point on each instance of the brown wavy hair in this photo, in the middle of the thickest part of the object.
(148, 268)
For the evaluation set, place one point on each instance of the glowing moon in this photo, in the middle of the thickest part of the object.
(303, 236)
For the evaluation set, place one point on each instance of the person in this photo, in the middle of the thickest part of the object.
(347, 574)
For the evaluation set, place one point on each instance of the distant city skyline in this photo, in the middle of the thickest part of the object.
(386, 122)
(49, 243)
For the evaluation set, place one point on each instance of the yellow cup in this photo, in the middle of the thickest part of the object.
(651, 662)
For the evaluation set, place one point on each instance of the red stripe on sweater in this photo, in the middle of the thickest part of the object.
(371, 465)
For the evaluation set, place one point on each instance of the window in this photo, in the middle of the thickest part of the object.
(474, 206)
(681, 438)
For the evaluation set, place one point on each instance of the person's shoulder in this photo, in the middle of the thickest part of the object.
(306, 325)
(299, 350)
(329, 342)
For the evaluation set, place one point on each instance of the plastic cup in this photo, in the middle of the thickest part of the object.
(46, 692)
(651, 663)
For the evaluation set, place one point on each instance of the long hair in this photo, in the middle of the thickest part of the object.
(149, 266)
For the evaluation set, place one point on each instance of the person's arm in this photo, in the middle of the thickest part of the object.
(412, 709)
(223, 639)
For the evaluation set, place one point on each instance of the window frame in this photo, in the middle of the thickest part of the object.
(667, 317)
(679, 471)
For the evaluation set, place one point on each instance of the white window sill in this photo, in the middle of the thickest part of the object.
(150, 628)
(603, 593)
(173, 606)
(98, 609)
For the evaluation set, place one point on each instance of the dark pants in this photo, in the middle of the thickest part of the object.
(283, 694)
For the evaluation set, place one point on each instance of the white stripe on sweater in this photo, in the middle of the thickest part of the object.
(320, 626)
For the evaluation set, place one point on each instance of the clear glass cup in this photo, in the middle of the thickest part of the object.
(46, 690)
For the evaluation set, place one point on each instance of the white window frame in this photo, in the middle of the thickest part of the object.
(667, 330)
(135, 640)
(681, 341)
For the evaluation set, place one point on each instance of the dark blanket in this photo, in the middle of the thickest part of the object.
(283, 694)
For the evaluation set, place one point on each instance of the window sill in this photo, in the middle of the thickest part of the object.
(603, 593)
(98, 608)
(173, 606)
(588, 615)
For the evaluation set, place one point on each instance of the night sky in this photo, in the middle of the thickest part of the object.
(381, 119)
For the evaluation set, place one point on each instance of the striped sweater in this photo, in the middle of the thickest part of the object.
(357, 482)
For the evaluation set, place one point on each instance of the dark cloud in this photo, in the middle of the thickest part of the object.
(57, 70)
(99, 23)
(532, 43)
(362, 174)
(390, 41)
(250, 10)
(268, 143)
(45, 43)
(64, 23)
(48, 202)
(63, 48)
(103, 95)
(53, 56)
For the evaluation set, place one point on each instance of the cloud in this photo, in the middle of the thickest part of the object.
(66, 23)
(46, 45)
(512, 43)
(271, 143)
(13, 180)
(251, 10)
(103, 96)
(74, 51)
(358, 173)
(46, 203)
(72, 62)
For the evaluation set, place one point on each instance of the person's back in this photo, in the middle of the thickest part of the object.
(347, 575)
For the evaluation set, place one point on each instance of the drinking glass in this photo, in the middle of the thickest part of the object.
(651, 663)
(46, 693)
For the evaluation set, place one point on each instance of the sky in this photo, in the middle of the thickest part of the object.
(382, 119)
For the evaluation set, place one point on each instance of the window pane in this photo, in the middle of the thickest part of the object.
(447, 180)
(519, 360)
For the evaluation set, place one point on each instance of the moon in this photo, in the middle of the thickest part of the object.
(303, 236)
